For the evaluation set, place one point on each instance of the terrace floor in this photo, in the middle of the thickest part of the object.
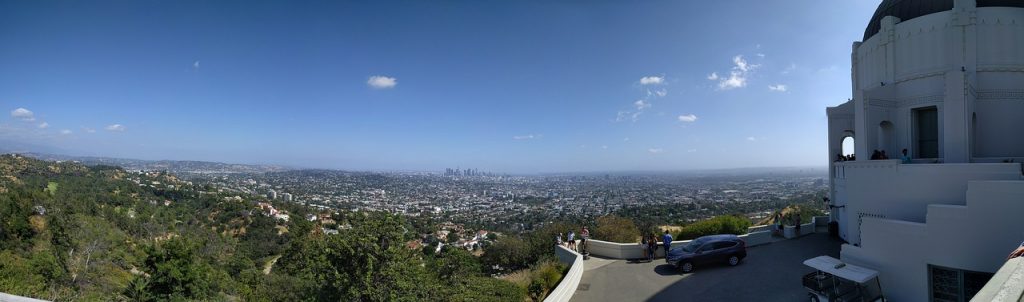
(769, 273)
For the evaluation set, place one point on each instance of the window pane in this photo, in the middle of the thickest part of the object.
(973, 282)
(945, 285)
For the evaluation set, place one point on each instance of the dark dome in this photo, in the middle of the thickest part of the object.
(909, 9)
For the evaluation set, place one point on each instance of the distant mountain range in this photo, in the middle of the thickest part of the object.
(174, 166)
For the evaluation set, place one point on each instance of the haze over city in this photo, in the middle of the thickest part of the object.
(505, 87)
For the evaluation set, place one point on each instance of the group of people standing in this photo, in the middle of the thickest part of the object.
(571, 240)
(649, 244)
(876, 155)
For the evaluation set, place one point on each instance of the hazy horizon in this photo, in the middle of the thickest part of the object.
(388, 86)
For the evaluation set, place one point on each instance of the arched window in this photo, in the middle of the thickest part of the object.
(848, 146)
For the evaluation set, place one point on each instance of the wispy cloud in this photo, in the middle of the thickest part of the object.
(528, 136)
(195, 65)
(751, 138)
(737, 78)
(641, 104)
(777, 87)
(661, 93)
(655, 150)
(23, 114)
(44, 125)
(88, 130)
(115, 127)
(652, 80)
(604, 146)
(691, 150)
(382, 82)
(65, 132)
(633, 115)
(688, 118)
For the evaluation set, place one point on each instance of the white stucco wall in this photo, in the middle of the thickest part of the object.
(974, 237)
(888, 189)
(567, 287)
(969, 64)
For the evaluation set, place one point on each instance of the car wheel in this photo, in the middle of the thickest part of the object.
(734, 260)
(812, 297)
(686, 267)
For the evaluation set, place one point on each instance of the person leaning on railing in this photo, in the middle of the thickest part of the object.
(1017, 253)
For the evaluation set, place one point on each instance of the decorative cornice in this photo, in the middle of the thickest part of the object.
(921, 75)
(1001, 68)
(883, 103)
(1001, 94)
(935, 98)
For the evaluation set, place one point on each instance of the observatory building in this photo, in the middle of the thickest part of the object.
(944, 80)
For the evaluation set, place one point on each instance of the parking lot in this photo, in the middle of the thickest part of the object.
(769, 273)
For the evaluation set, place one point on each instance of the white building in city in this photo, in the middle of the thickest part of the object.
(943, 79)
(286, 196)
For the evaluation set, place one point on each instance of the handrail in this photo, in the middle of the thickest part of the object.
(567, 287)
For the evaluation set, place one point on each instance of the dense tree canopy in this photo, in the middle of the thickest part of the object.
(100, 233)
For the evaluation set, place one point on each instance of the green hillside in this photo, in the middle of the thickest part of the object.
(71, 232)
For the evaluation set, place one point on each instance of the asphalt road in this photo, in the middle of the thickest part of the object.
(769, 273)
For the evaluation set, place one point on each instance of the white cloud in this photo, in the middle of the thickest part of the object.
(641, 104)
(625, 139)
(688, 118)
(23, 114)
(691, 150)
(737, 78)
(88, 130)
(115, 127)
(652, 80)
(661, 93)
(44, 125)
(528, 136)
(655, 150)
(751, 138)
(777, 87)
(760, 55)
(604, 146)
(65, 132)
(627, 116)
(382, 82)
(195, 65)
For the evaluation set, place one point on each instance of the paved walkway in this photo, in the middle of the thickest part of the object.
(769, 273)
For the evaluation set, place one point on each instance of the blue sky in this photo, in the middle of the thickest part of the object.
(521, 87)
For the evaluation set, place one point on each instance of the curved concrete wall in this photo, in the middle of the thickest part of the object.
(615, 250)
(567, 287)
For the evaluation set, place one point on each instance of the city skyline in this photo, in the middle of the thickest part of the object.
(382, 86)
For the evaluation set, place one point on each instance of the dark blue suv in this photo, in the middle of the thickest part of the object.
(708, 249)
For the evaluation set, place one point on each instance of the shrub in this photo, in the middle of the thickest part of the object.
(719, 225)
(616, 229)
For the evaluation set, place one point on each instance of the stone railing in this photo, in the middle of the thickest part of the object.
(567, 287)
(615, 250)
(1006, 285)
(12, 298)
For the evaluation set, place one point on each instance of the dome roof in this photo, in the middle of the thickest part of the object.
(909, 9)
